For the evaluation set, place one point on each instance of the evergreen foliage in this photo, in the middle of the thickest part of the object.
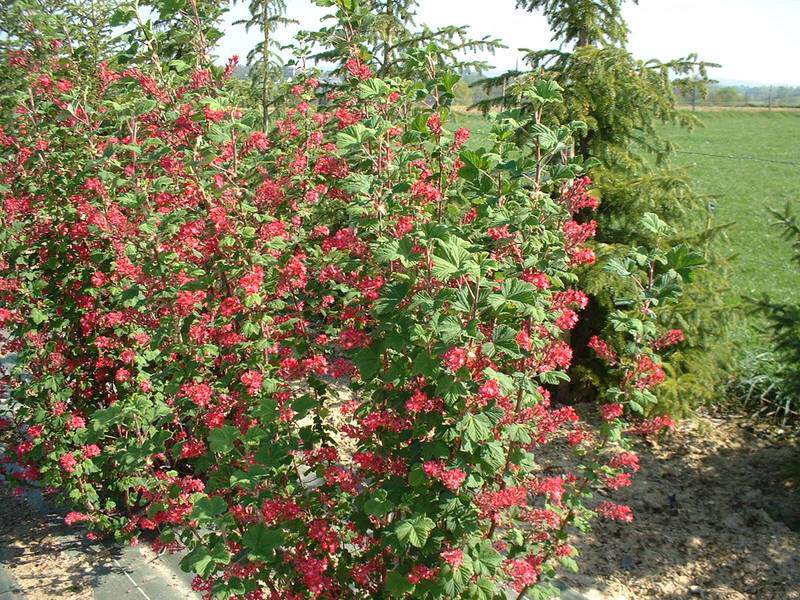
(783, 327)
(265, 67)
(623, 100)
(385, 34)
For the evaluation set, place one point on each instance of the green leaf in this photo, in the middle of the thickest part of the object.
(222, 438)
(368, 361)
(493, 456)
(545, 136)
(206, 509)
(202, 561)
(414, 531)
(505, 340)
(452, 259)
(105, 417)
(391, 296)
(357, 183)
(486, 559)
(354, 135)
(387, 251)
(398, 584)
(449, 328)
(198, 561)
(475, 428)
(261, 541)
(38, 316)
(653, 223)
(483, 589)
(617, 267)
(685, 261)
(423, 364)
(543, 591)
(378, 505)
(304, 404)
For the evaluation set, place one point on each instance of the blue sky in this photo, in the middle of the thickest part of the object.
(756, 41)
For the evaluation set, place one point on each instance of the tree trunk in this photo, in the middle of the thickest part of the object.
(387, 43)
(265, 66)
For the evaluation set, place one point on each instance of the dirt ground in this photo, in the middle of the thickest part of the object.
(42, 557)
(717, 516)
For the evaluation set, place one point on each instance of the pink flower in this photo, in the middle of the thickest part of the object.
(455, 358)
(435, 124)
(523, 573)
(358, 69)
(653, 426)
(625, 460)
(251, 283)
(611, 411)
(453, 478)
(420, 402)
(603, 350)
(199, 393)
(454, 558)
(422, 573)
(615, 512)
(68, 462)
(537, 278)
(489, 391)
(499, 233)
(193, 448)
(252, 380)
(351, 339)
(90, 451)
(460, 138)
(76, 517)
(618, 481)
(524, 340)
(76, 422)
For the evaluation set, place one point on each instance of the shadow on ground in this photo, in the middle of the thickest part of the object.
(44, 558)
(717, 517)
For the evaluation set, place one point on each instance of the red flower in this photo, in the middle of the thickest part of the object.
(435, 124)
(611, 411)
(358, 69)
(455, 358)
(68, 462)
(454, 558)
(251, 283)
(616, 512)
(252, 380)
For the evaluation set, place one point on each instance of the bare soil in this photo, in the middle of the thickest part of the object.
(717, 508)
(44, 560)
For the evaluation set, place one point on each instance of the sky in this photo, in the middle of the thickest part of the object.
(755, 41)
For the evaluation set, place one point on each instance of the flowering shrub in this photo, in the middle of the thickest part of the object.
(318, 358)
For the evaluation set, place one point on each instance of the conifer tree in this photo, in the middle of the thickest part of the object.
(623, 102)
(174, 33)
(386, 36)
(783, 325)
(267, 16)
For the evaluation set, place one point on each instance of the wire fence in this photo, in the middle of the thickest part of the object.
(734, 157)
(772, 97)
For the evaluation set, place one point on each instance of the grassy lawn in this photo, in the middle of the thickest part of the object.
(743, 189)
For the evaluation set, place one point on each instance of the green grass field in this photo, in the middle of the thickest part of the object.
(744, 189)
